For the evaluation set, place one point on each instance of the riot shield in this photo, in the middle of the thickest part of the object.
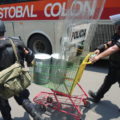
(77, 25)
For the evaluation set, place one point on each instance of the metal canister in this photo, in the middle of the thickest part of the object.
(42, 68)
(58, 69)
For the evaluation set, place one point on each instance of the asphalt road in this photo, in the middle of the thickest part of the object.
(91, 79)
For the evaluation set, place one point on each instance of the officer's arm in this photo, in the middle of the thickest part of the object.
(109, 51)
(29, 56)
(106, 53)
(103, 47)
(108, 44)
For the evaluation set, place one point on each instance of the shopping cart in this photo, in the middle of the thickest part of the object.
(61, 97)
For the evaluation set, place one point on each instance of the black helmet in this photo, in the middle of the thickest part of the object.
(117, 23)
(2, 27)
(115, 19)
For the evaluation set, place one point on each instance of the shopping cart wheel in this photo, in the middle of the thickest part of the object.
(43, 108)
(86, 103)
(49, 99)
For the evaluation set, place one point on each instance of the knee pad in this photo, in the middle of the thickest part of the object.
(24, 94)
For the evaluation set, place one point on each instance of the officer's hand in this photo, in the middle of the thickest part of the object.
(94, 59)
(97, 52)
(26, 51)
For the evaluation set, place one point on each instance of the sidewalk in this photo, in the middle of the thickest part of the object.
(92, 78)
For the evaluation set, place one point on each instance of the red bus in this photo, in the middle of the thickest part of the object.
(36, 21)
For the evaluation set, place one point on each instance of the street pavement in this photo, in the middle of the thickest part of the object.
(91, 79)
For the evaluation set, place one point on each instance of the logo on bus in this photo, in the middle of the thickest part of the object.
(83, 6)
(17, 12)
(50, 10)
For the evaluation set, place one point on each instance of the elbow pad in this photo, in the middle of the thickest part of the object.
(101, 47)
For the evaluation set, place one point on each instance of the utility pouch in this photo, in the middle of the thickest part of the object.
(14, 79)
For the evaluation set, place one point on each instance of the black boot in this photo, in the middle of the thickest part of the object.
(31, 109)
(7, 117)
(5, 109)
(94, 97)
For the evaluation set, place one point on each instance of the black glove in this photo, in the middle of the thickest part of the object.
(101, 47)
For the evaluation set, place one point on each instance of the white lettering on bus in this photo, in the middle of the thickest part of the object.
(26, 11)
(78, 11)
(63, 11)
(17, 12)
(1, 14)
(31, 12)
(82, 5)
(5, 11)
(11, 14)
(45, 10)
(53, 8)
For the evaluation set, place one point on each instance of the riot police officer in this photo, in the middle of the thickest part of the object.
(7, 58)
(112, 49)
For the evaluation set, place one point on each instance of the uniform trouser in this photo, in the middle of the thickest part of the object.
(112, 77)
(5, 107)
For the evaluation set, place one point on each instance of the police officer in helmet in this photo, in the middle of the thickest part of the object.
(111, 49)
(7, 58)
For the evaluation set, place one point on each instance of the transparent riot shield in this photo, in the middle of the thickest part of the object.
(77, 26)
(75, 30)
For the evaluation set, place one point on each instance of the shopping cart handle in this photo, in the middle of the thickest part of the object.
(86, 59)
(87, 63)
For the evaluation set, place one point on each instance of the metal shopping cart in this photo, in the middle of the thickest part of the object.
(77, 27)
(62, 85)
